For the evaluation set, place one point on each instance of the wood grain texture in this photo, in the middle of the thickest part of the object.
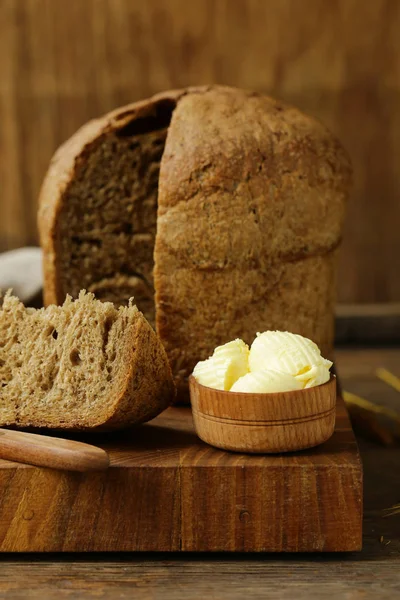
(167, 491)
(64, 63)
(46, 451)
(270, 423)
(220, 577)
(370, 574)
(377, 324)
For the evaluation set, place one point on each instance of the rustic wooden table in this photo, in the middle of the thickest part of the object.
(372, 573)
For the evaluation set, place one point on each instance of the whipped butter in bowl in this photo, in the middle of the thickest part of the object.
(276, 396)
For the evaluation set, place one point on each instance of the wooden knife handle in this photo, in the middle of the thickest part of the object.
(46, 451)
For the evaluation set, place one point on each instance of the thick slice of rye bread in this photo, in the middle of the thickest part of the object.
(82, 365)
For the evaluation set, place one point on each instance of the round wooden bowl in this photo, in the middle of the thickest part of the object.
(264, 423)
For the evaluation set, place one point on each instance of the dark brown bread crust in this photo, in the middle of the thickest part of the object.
(251, 204)
(145, 387)
(251, 201)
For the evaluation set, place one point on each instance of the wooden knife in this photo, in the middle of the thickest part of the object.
(47, 451)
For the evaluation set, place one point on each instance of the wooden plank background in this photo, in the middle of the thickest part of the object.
(65, 61)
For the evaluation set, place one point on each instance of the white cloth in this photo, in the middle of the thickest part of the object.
(21, 270)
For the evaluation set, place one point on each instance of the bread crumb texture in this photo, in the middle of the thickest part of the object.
(82, 365)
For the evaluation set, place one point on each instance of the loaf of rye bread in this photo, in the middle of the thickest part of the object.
(83, 365)
(219, 210)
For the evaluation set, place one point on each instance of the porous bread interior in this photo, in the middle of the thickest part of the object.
(59, 365)
(108, 215)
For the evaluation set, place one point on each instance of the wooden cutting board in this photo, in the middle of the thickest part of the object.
(168, 491)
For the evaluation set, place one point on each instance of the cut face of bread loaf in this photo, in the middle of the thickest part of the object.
(240, 197)
(98, 208)
(83, 365)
